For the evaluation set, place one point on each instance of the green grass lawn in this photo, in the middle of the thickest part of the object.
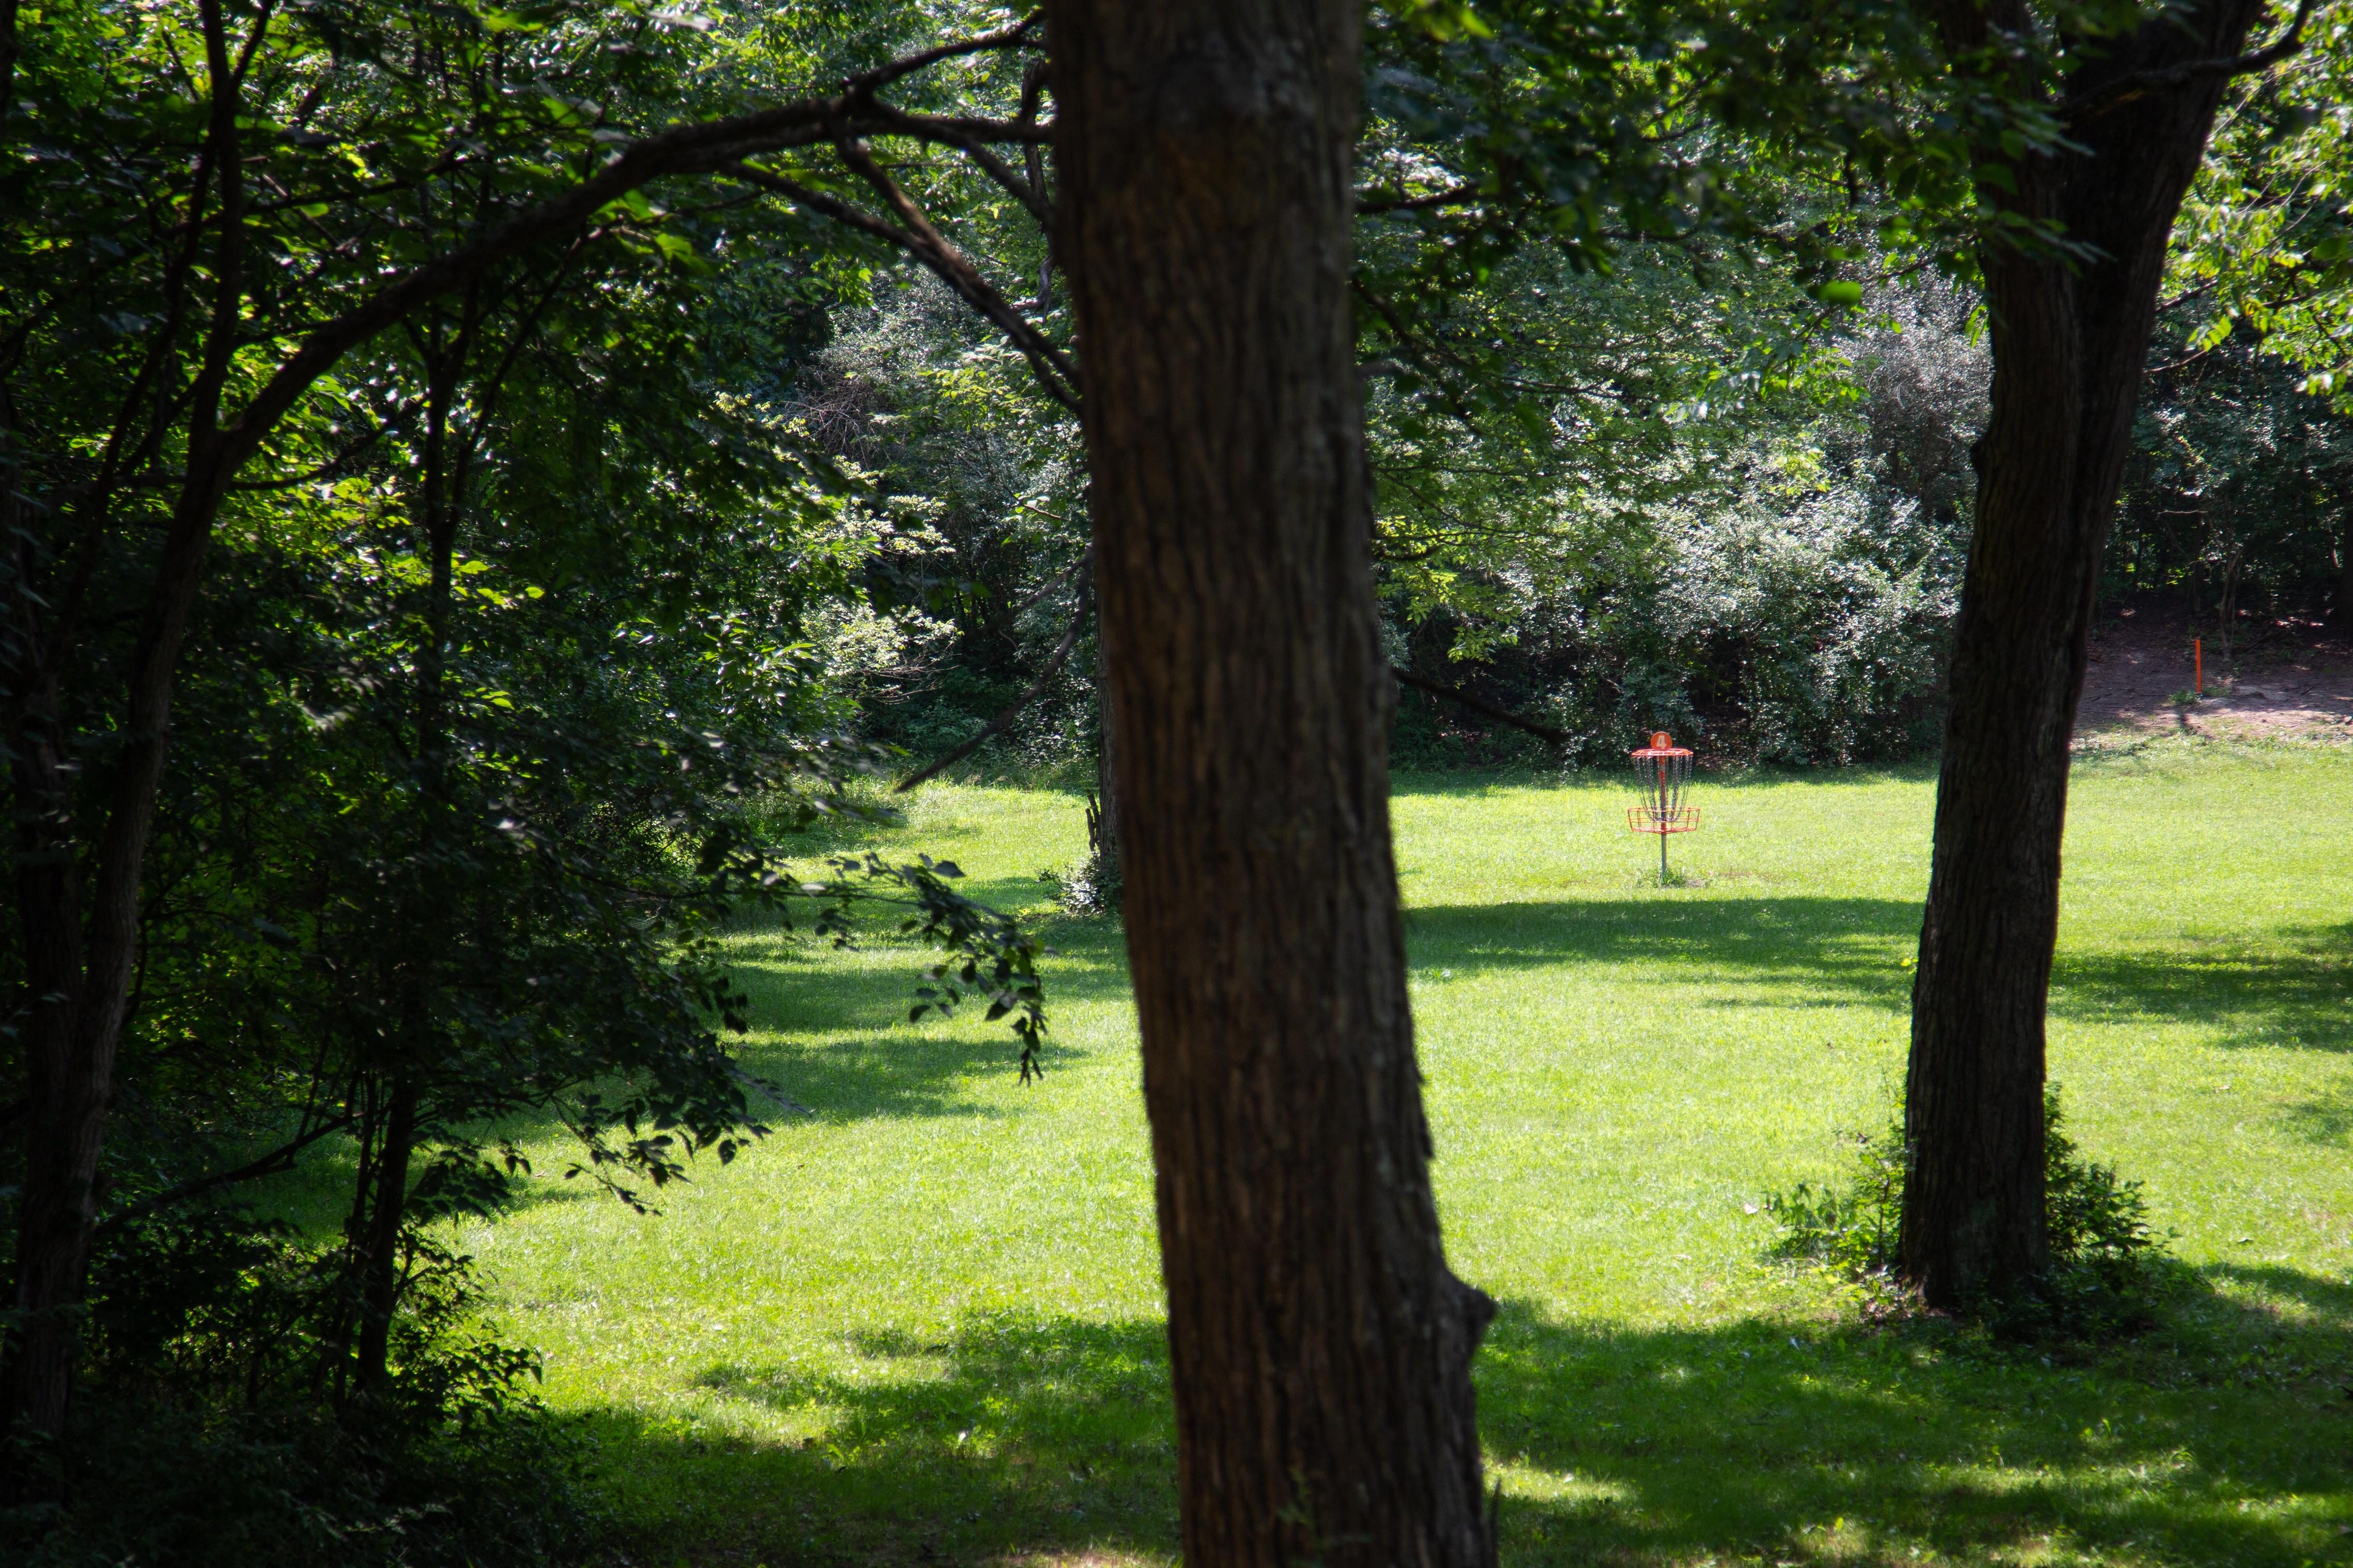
(923, 1321)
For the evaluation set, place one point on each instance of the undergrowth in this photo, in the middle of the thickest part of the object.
(211, 1428)
(2108, 1264)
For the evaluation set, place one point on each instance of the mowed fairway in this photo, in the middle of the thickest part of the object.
(921, 1322)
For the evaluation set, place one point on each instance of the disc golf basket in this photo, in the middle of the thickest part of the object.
(1662, 774)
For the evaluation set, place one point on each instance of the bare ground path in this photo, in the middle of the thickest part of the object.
(2285, 677)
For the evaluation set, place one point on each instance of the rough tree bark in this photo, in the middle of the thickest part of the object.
(1322, 1349)
(2069, 340)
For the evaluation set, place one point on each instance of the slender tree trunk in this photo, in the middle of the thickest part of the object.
(1103, 826)
(2070, 341)
(78, 1038)
(1322, 1349)
(64, 1122)
(380, 1273)
(2345, 555)
(440, 495)
(81, 966)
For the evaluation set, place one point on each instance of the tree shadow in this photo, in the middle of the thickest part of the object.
(2326, 1118)
(1015, 1435)
(2330, 1300)
(2295, 991)
(1471, 782)
(2301, 996)
(2219, 1437)
(1849, 946)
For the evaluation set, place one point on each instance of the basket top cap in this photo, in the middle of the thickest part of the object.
(1663, 745)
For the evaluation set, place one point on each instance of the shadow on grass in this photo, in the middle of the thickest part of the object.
(844, 1048)
(1017, 1435)
(2296, 990)
(1471, 782)
(2299, 991)
(2219, 1437)
(2326, 1118)
(1849, 947)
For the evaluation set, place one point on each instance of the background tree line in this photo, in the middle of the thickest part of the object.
(1739, 523)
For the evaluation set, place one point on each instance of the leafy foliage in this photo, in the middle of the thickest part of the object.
(2264, 245)
(1770, 566)
(2106, 1260)
(499, 701)
(202, 1444)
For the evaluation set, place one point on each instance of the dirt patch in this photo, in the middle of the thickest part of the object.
(2286, 679)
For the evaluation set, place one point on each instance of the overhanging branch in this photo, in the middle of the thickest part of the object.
(998, 726)
(865, 84)
(946, 259)
(2140, 83)
(1481, 706)
(1054, 372)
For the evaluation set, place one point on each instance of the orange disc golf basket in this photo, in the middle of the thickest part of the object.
(1662, 774)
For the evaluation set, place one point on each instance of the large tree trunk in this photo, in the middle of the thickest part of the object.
(1322, 1349)
(2069, 344)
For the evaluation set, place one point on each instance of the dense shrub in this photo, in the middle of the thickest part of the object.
(210, 1428)
(1771, 574)
(1815, 626)
(2106, 1261)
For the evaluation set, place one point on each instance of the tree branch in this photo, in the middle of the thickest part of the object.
(1480, 707)
(330, 467)
(997, 725)
(863, 86)
(1414, 350)
(1054, 373)
(2136, 84)
(994, 167)
(958, 129)
(961, 275)
(278, 1160)
(1085, 561)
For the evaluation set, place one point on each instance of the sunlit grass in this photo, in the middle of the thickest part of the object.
(923, 1317)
